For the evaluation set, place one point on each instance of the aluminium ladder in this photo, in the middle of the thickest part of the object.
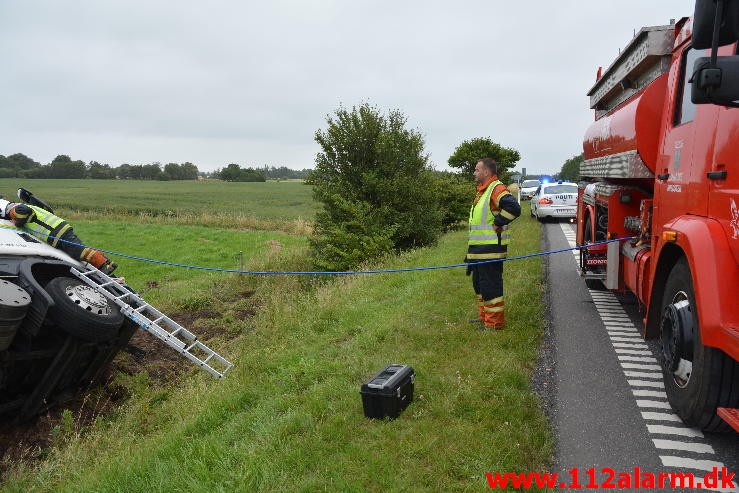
(159, 325)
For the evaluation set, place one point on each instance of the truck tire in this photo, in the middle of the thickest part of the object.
(82, 312)
(698, 379)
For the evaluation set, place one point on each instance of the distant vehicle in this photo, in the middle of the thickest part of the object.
(555, 200)
(528, 187)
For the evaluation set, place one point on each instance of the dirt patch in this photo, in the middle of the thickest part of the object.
(28, 442)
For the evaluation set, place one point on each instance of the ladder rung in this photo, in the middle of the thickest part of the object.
(111, 289)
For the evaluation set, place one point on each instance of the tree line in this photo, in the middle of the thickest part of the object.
(21, 166)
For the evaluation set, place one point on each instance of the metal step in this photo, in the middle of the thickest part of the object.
(155, 322)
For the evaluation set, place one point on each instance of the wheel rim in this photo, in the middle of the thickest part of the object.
(88, 299)
(677, 330)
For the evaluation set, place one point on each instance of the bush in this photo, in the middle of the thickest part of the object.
(455, 193)
(377, 191)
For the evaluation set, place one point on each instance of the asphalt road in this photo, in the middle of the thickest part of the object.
(606, 400)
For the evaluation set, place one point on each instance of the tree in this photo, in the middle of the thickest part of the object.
(63, 167)
(98, 171)
(234, 172)
(469, 152)
(375, 187)
(571, 168)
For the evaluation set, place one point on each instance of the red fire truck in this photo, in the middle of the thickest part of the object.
(662, 168)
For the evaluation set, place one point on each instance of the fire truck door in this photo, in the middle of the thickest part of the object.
(722, 175)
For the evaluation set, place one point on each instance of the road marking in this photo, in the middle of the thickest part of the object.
(654, 404)
(645, 359)
(698, 448)
(642, 374)
(641, 352)
(647, 383)
(619, 341)
(638, 366)
(675, 430)
(649, 393)
(661, 416)
(681, 462)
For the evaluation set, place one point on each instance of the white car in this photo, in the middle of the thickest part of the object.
(528, 188)
(556, 200)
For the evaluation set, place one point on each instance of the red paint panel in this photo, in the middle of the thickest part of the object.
(631, 126)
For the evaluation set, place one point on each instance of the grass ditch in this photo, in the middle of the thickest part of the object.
(290, 416)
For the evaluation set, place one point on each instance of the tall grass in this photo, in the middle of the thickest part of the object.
(289, 417)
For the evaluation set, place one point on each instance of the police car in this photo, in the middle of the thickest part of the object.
(555, 200)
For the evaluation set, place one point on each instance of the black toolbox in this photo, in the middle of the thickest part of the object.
(388, 392)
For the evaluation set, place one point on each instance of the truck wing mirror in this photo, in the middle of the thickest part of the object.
(704, 20)
(717, 84)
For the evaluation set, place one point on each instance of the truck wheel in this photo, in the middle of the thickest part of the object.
(82, 311)
(698, 379)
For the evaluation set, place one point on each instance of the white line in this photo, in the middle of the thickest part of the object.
(661, 416)
(649, 393)
(698, 448)
(639, 352)
(674, 430)
(621, 326)
(639, 366)
(647, 383)
(645, 359)
(627, 341)
(682, 462)
(654, 404)
(608, 310)
(643, 374)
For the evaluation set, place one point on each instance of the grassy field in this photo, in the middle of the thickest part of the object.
(289, 416)
(285, 201)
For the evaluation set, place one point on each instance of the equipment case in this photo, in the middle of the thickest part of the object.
(388, 392)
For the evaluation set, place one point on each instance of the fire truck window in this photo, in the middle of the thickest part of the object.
(685, 110)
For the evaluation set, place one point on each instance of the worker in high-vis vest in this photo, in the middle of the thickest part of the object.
(493, 209)
(55, 231)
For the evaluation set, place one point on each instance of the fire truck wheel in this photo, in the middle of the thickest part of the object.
(698, 379)
(82, 311)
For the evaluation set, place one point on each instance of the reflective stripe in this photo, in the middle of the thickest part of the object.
(496, 300)
(494, 309)
(46, 225)
(486, 256)
(507, 215)
(55, 241)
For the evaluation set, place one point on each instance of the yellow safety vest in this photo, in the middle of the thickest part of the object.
(484, 242)
(46, 226)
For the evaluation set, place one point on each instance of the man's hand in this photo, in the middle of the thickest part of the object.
(498, 229)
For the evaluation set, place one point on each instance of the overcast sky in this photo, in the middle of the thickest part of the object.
(219, 82)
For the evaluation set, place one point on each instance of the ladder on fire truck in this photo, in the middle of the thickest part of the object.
(155, 322)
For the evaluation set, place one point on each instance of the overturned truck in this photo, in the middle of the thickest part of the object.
(62, 322)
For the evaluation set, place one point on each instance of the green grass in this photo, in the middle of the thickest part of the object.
(289, 417)
(268, 201)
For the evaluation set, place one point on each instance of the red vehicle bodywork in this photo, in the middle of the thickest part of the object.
(689, 208)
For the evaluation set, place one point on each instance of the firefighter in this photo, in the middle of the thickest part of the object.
(493, 209)
(55, 231)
